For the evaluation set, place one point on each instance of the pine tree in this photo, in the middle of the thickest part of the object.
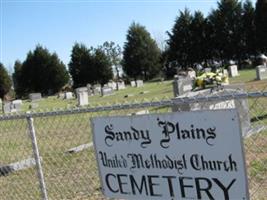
(261, 25)
(40, 72)
(141, 56)
(199, 49)
(180, 43)
(248, 33)
(226, 24)
(103, 66)
(5, 82)
(81, 66)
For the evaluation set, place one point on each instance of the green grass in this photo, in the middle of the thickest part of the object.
(244, 76)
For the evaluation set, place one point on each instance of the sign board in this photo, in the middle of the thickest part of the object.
(182, 155)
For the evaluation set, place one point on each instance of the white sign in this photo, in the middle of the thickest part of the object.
(185, 155)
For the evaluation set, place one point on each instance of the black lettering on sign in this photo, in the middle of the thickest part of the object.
(185, 133)
(179, 187)
(126, 136)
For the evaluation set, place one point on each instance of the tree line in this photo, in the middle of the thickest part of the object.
(233, 31)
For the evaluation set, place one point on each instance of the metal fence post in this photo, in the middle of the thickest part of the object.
(37, 158)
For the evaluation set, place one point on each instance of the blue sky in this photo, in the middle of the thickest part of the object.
(58, 24)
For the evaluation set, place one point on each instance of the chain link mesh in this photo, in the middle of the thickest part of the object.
(68, 160)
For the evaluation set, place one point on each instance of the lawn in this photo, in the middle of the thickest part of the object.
(75, 176)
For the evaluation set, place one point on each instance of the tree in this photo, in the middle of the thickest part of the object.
(40, 72)
(226, 23)
(102, 64)
(141, 56)
(199, 49)
(81, 66)
(5, 82)
(180, 40)
(261, 25)
(89, 66)
(16, 76)
(248, 33)
(113, 52)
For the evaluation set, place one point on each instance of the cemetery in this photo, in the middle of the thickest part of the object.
(178, 87)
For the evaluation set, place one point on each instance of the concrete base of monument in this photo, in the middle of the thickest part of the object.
(241, 104)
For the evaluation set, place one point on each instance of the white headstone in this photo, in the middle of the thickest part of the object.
(35, 96)
(139, 83)
(261, 72)
(106, 91)
(112, 84)
(61, 95)
(17, 101)
(133, 84)
(233, 71)
(16, 105)
(7, 107)
(82, 95)
(121, 85)
(68, 95)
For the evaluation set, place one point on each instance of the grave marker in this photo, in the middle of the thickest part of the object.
(105, 91)
(261, 72)
(181, 85)
(35, 96)
(82, 95)
(233, 71)
(240, 104)
(133, 84)
(68, 95)
(139, 83)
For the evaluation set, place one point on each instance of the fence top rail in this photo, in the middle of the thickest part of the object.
(134, 105)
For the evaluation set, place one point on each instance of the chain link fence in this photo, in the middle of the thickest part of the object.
(50, 155)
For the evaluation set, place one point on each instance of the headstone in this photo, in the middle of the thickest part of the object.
(61, 95)
(96, 89)
(16, 105)
(105, 91)
(181, 85)
(133, 84)
(121, 85)
(68, 95)
(261, 72)
(82, 95)
(225, 72)
(139, 83)
(112, 84)
(35, 96)
(7, 107)
(233, 71)
(240, 104)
